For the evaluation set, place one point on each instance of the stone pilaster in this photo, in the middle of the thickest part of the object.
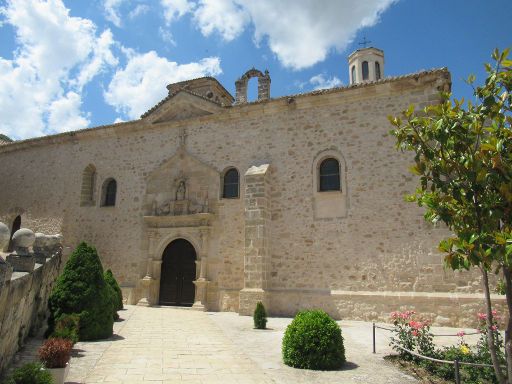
(241, 91)
(257, 235)
(264, 87)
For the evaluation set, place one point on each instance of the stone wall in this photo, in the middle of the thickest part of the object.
(372, 241)
(26, 281)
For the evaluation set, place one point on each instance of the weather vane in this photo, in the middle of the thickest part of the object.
(365, 42)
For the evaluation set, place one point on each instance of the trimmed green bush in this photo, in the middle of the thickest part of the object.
(31, 373)
(81, 289)
(313, 341)
(260, 316)
(113, 299)
(110, 279)
(67, 327)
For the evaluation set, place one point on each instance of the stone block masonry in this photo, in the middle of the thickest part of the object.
(24, 294)
(257, 238)
(358, 252)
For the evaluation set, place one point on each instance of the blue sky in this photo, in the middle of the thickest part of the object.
(71, 64)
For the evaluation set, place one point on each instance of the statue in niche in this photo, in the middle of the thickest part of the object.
(184, 202)
(181, 191)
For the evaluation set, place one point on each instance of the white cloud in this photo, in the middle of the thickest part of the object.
(111, 8)
(141, 84)
(223, 16)
(56, 56)
(101, 58)
(300, 32)
(321, 82)
(174, 9)
(138, 10)
(166, 36)
(65, 113)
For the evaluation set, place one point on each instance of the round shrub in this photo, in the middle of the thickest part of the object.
(260, 316)
(30, 373)
(81, 289)
(313, 341)
(110, 279)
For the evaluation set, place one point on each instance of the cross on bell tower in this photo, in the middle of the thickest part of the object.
(365, 42)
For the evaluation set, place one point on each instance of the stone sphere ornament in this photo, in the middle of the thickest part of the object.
(40, 241)
(5, 236)
(23, 238)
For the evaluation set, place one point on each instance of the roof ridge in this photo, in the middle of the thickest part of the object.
(170, 96)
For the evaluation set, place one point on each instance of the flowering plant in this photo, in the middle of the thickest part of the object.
(411, 334)
(482, 346)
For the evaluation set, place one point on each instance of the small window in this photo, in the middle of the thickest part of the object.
(109, 193)
(88, 181)
(377, 70)
(231, 184)
(353, 74)
(330, 175)
(365, 70)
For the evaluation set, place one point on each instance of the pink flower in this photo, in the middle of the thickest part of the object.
(415, 333)
(482, 316)
(494, 328)
(416, 324)
(461, 333)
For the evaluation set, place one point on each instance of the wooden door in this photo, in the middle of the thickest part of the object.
(178, 273)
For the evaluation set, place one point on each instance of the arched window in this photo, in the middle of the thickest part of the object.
(109, 193)
(353, 74)
(377, 70)
(88, 182)
(330, 175)
(365, 70)
(16, 224)
(230, 184)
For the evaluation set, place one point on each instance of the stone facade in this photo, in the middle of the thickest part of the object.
(27, 276)
(359, 251)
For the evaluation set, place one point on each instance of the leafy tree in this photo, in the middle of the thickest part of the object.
(81, 289)
(463, 157)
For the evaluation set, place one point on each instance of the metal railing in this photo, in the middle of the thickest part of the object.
(456, 363)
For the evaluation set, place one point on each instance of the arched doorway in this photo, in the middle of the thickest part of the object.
(178, 273)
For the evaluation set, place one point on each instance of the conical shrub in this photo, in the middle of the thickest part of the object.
(111, 280)
(260, 316)
(81, 289)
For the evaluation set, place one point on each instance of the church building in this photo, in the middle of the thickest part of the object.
(217, 202)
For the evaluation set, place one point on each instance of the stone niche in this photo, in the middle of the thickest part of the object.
(180, 203)
(183, 185)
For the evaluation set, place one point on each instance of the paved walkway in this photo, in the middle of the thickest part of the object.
(169, 345)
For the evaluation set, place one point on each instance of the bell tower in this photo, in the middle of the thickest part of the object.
(365, 65)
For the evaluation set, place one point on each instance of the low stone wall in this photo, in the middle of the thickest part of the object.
(442, 309)
(27, 276)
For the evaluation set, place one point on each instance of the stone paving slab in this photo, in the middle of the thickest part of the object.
(172, 345)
